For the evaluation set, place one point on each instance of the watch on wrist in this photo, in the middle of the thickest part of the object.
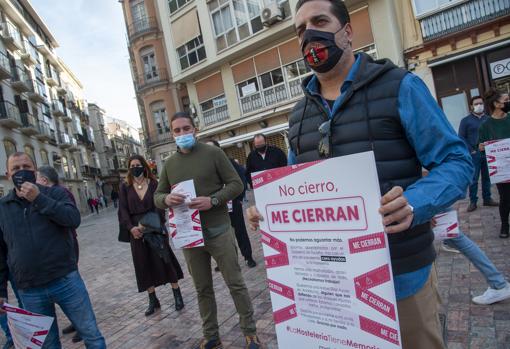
(214, 201)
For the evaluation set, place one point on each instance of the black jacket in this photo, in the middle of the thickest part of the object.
(241, 171)
(274, 158)
(36, 245)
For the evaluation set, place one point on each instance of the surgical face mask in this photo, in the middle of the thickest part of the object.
(23, 176)
(137, 171)
(506, 107)
(320, 50)
(186, 141)
(478, 109)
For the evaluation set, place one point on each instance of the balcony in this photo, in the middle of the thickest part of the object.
(52, 79)
(67, 117)
(9, 115)
(20, 80)
(64, 141)
(57, 108)
(155, 138)
(11, 36)
(29, 124)
(74, 145)
(29, 53)
(61, 90)
(462, 16)
(90, 171)
(215, 115)
(143, 26)
(5, 67)
(37, 92)
(155, 77)
(44, 133)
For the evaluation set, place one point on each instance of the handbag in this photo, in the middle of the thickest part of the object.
(123, 231)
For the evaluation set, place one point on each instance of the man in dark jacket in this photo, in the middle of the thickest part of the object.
(354, 104)
(263, 157)
(36, 247)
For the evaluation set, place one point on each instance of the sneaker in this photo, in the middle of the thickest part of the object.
(504, 232)
(447, 248)
(472, 206)
(211, 344)
(251, 263)
(491, 203)
(492, 295)
(9, 344)
(252, 342)
(217, 268)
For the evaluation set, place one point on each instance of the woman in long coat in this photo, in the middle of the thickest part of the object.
(136, 198)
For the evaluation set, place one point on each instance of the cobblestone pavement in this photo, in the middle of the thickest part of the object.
(107, 269)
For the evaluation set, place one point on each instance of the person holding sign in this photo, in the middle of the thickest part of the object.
(37, 249)
(354, 104)
(216, 182)
(495, 128)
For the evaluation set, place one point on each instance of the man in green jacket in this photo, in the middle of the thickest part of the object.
(216, 182)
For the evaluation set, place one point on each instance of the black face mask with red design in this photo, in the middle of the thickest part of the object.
(320, 50)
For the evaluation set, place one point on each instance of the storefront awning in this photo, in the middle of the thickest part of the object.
(248, 136)
(451, 58)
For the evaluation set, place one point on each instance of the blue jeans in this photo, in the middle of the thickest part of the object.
(480, 165)
(3, 318)
(70, 293)
(476, 256)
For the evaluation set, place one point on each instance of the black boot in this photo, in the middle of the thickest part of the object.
(504, 232)
(153, 304)
(179, 303)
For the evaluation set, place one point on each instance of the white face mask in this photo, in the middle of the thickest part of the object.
(478, 109)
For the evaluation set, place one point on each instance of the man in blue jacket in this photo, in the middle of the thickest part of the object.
(36, 248)
(354, 104)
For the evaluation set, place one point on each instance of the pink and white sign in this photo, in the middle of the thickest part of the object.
(327, 257)
(497, 154)
(184, 224)
(28, 330)
(447, 225)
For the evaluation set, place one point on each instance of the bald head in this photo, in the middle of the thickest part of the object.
(19, 161)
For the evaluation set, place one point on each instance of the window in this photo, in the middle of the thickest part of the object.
(295, 73)
(214, 110)
(160, 118)
(213, 103)
(248, 87)
(192, 52)
(369, 50)
(65, 167)
(423, 7)
(28, 149)
(272, 78)
(74, 170)
(44, 157)
(234, 20)
(150, 68)
(185, 104)
(138, 11)
(10, 147)
(174, 5)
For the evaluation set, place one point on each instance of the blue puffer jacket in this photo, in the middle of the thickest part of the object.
(36, 245)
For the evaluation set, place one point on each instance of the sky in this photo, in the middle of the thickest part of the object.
(92, 39)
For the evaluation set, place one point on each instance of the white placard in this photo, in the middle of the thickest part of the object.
(184, 223)
(500, 68)
(447, 225)
(327, 257)
(28, 330)
(498, 160)
(249, 89)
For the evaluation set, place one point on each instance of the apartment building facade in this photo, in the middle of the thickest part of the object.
(242, 67)
(460, 48)
(157, 97)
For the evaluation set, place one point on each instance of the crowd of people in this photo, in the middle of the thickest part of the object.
(351, 104)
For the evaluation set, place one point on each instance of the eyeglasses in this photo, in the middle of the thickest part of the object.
(325, 142)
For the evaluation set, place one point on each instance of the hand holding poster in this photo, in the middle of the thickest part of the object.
(498, 160)
(28, 330)
(184, 223)
(327, 257)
